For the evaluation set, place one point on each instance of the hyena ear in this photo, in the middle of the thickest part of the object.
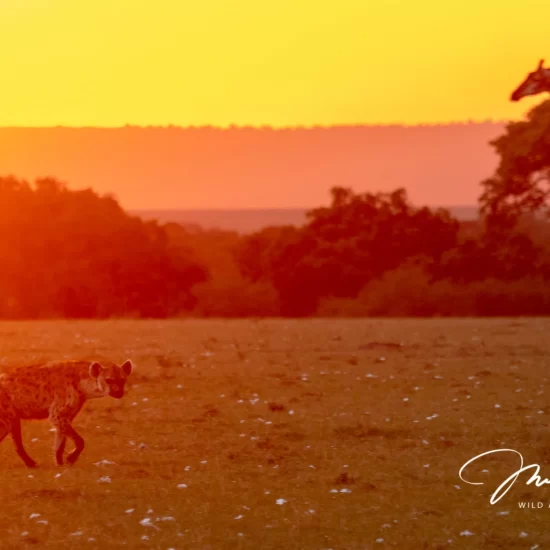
(95, 369)
(127, 367)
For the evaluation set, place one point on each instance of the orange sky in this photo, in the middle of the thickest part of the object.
(247, 62)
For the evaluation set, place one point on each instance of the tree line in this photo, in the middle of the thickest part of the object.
(75, 254)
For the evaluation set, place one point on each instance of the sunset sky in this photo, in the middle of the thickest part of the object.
(284, 63)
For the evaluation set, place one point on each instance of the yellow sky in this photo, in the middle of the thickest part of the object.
(251, 62)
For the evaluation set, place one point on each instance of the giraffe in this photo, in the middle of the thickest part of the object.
(536, 82)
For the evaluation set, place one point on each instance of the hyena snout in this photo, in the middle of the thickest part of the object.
(116, 390)
(117, 394)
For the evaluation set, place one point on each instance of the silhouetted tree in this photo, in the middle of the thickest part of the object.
(521, 183)
(344, 246)
(75, 254)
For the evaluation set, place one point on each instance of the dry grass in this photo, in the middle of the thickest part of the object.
(323, 414)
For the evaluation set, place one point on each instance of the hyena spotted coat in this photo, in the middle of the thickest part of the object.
(57, 391)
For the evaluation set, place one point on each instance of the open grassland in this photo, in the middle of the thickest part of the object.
(309, 434)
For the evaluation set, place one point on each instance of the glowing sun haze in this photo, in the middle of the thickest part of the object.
(248, 62)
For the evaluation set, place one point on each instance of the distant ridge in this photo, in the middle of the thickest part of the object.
(251, 220)
(206, 168)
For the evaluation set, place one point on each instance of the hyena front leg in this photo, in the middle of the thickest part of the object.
(17, 439)
(59, 447)
(63, 430)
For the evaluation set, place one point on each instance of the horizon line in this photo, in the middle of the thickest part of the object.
(262, 126)
(253, 208)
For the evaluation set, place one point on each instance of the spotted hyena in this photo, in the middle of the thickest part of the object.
(56, 391)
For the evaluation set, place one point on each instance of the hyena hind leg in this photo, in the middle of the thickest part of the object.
(18, 441)
(6, 415)
(10, 423)
(4, 430)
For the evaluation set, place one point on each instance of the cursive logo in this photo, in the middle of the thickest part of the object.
(505, 486)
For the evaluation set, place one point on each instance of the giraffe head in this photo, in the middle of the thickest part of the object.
(536, 82)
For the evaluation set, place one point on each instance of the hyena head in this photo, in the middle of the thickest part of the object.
(111, 379)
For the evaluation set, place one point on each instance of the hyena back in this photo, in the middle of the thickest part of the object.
(56, 391)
